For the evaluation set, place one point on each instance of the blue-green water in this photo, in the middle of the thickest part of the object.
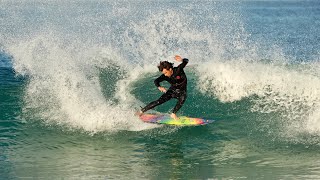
(73, 73)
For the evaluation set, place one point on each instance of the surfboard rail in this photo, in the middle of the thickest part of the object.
(181, 121)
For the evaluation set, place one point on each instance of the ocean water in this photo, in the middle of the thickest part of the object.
(72, 74)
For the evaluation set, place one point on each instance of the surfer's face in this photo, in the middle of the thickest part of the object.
(167, 73)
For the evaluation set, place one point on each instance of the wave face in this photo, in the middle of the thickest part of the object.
(90, 65)
(73, 73)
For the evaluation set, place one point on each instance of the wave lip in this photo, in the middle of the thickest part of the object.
(293, 93)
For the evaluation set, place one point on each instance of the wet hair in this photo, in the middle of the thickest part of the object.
(165, 65)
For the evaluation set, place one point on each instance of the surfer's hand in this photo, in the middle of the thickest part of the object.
(178, 58)
(162, 89)
(174, 116)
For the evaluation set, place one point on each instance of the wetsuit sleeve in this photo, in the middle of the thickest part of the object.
(184, 63)
(159, 79)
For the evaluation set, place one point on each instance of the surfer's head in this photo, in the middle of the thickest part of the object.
(166, 68)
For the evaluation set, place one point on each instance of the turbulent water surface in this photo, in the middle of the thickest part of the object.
(72, 74)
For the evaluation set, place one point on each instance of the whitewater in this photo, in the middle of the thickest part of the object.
(73, 73)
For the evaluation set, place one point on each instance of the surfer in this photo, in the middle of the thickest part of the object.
(178, 89)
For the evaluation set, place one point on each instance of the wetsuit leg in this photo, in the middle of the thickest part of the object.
(181, 99)
(164, 98)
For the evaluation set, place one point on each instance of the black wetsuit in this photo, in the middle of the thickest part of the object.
(178, 88)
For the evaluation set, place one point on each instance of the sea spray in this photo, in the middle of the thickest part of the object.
(65, 88)
(69, 57)
(292, 94)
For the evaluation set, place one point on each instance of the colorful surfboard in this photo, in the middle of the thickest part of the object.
(166, 119)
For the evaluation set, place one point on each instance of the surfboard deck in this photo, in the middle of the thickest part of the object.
(166, 119)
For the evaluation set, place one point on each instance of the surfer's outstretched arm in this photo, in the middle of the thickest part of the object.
(159, 79)
(184, 61)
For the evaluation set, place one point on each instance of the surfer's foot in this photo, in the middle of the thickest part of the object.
(139, 113)
(174, 116)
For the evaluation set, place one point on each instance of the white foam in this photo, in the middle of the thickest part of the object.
(64, 88)
(63, 58)
(295, 93)
(62, 53)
